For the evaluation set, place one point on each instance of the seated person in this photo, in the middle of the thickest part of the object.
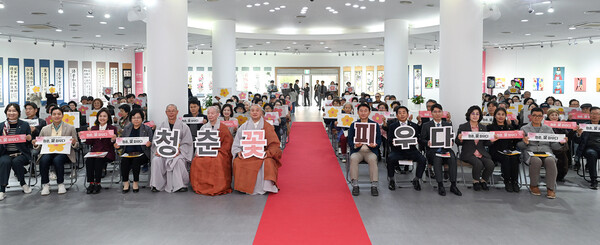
(361, 152)
(254, 175)
(95, 165)
(170, 174)
(562, 155)
(589, 146)
(431, 153)
(195, 109)
(499, 149)
(227, 115)
(341, 137)
(397, 153)
(56, 128)
(15, 155)
(212, 175)
(536, 163)
(474, 152)
(137, 155)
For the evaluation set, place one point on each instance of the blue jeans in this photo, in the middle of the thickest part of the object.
(58, 161)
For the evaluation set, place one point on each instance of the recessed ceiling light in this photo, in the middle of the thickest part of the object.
(527, 34)
(282, 6)
(539, 13)
(355, 6)
(289, 47)
(326, 47)
(107, 16)
(20, 21)
(271, 10)
(103, 22)
(294, 43)
(257, 4)
(322, 43)
(572, 28)
(524, 20)
(364, 46)
(382, 1)
(249, 6)
(334, 12)
(277, 8)
(98, 36)
(266, 3)
(121, 28)
(348, 4)
(363, 7)
(267, 42)
(328, 8)
(58, 30)
(202, 44)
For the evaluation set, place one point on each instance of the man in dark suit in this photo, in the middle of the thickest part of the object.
(296, 88)
(434, 154)
(306, 94)
(322, 93)
(397, 153)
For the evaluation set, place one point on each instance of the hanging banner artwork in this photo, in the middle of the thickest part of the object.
(417, 79)
(1, 82)
(29, 75)
(380, 72)
(13, 80)
(87, 77)
(73, 80)
(139, 73)
(370, 80)
(114, 76)
(358, 79)
(100, 79)
(59, 74)
(558, 86)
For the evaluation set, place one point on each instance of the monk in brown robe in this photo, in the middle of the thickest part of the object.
(254, 175)
(212, 175)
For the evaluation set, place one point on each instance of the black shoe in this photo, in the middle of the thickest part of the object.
(441, 190)
(477, 186)
(416, 184)
(455, 190)
(392, 185)
(516, 187)
(594, 185)
(97, 189)
(374, 191)
(508, 186)
(136, 190)
(355, 191)
(446, 175)
(125, 190)
(182, 189)
(154, 189)
(484, 186)
(90, 189)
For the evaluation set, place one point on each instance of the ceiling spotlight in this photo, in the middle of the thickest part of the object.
(90, 14)
(64, 44)
(52, 44)
(244, 52)
(551, 44)
(348, 4)
(345, 54)
(35, 42)
(541, 44)
(539, 13)
(260, 53)
(249, 6)
(372, 53)
(363, 53)
(551, 10)
(530, 10)
(194, 51)
(202, 52)
(352, 53)
(572, 28)
(60, 9)
(9, 39)
(107, 16)
(1, 4)
(591, 41)
(339, 54)
(93, 47)
(121, 28)
(254, 52)
(266, 53)
(103, 22)
(274, 53)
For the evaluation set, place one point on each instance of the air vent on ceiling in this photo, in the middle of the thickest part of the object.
(26, 31)
(74, 24)
(589, 25)
(406, 2)
(38, 13)
(40, 26)
(555, 23)
(592, 12)
(76, 37)
(550, 36)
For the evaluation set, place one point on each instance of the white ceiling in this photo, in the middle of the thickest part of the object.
(258, 24)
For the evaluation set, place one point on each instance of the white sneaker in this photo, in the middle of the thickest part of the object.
(62, 189)
(26, 189)
(45, 189)
(52, 175)
(2, 196)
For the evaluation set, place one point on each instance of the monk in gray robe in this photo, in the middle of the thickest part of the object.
(170, 173)
(255, 175)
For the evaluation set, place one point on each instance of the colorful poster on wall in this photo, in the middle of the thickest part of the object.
(1, 82)
(417, 80)
(558, 83)
(597, 84)
(437, 83)
(500, 83)
(100, 79)
(13, 80)
(29, 75)
(358, 76)
(87, 77)
(114, 76)
(538, 84)
(429, 82)
(59, 79)
(380, 83)
(73, 80)
(370, 80)
(580, 84)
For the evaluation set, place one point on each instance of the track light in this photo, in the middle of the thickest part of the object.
(60, 8)
(52, 44)
(194, 51)
(244, 52)
(345, 54)
(591, 41)
(275, 54)
(254, 52)
(339, 54)
(90, 14)
(411, 51)
(202, 52)
(551, 44)
(541, 44)
(35, 42)
(64, 44)
(550, 9)
(260, 53)
(363, 53)
(9, 39)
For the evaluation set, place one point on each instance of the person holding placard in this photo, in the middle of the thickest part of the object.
(212, 175)
(170, 173)
(56, 128)
(439, 156)
(134, 156)
(14, 156)
(589, 146)
(195, 110)
(268, 107)
(562, 154)
(254, 175)
(504, 151)
(542, 149)
(342, 132)
(473, 151)
(364, 152)
(51, 98)
(32, 113)
(227, 115)
(398, 153)
(95, 165)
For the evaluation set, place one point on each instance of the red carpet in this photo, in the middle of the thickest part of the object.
(314, 204)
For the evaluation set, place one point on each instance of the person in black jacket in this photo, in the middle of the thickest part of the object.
(14, 155)
(433, 154)
(195, 110)
(306, 96)
(589, 146)
(397, 153)
(502, 151)
(51, 98)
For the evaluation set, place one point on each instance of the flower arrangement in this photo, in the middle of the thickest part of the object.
(417, 99)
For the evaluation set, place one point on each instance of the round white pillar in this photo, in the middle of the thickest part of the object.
(396, 59)
(223, 56)
(461, 60)
(166, 38)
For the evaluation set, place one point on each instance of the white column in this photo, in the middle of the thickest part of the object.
(166, 38)
(461, 47)
(223, 56)
(396, 59)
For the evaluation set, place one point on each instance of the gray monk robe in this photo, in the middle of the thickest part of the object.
(170, 174)
(254, 175)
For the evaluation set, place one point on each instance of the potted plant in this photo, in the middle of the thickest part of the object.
(417, 100)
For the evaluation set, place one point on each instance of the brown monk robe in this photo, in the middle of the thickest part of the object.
(249, 174)
(212, 175)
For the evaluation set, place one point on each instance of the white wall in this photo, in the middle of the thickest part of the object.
(580, 60)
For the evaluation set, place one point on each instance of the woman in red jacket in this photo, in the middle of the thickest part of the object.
(95, 165)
